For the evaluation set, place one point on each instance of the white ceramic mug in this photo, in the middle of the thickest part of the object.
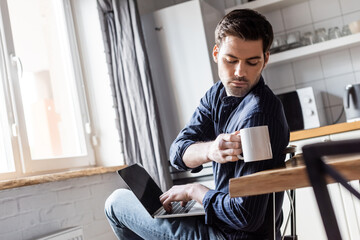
(255, 143)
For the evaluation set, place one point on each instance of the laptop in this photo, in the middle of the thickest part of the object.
(148, 192)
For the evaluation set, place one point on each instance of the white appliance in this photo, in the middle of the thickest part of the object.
(300, 109)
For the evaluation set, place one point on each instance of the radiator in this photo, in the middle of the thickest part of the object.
(74, 233)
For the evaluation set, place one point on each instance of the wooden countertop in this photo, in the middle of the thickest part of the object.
(52, 177)
(323, 131)
(290, 177)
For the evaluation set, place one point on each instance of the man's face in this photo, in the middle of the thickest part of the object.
(240, 64)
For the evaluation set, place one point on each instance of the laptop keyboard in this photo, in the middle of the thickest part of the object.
(177, 208)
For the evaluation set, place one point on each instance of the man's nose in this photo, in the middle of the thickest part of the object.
(240, 69)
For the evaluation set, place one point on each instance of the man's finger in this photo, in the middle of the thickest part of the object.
(231, 137)
(163, 197)
(231, 145)
(167, 205)
(232, 158)
(232, 152)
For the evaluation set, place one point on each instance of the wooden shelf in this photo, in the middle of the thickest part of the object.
(265, 5)
(315, 49)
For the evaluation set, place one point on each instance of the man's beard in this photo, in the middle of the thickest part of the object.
(238, 91)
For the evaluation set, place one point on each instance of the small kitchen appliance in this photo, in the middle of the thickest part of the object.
(352, 102)
(300, 109)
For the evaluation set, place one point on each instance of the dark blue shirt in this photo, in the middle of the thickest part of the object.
(242, 217)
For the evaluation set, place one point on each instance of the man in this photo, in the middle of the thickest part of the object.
(240, 100)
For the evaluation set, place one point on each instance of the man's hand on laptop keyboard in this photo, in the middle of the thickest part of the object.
(183, 194)
(178, 193)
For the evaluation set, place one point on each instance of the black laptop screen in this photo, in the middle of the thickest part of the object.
(143, 186)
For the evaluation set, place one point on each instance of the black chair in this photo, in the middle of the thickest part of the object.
(318, 170)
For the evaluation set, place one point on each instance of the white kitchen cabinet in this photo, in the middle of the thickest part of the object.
(346, 207)
(299, 144)
(265, 5)
(179, 42)
(345, 135)
(331, 137)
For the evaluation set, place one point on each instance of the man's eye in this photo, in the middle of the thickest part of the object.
(230, 61)
(253, 63)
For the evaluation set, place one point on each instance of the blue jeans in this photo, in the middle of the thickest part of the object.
(129, 220)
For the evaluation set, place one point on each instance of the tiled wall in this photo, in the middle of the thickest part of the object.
(29, 212)
(327, 73)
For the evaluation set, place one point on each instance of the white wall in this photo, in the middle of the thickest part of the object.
(34, 211)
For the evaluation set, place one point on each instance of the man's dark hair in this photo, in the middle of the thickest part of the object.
(246, 24)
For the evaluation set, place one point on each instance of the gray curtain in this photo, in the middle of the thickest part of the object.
(133, 94)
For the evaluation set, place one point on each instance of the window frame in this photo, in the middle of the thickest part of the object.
(23, 163)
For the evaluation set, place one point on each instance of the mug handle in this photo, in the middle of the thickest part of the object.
(239, 156)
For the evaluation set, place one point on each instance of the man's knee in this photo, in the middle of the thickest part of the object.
(118, 199)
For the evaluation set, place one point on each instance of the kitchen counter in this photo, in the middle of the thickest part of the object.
(323, 131)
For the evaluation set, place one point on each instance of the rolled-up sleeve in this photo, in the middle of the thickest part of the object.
(199, 129)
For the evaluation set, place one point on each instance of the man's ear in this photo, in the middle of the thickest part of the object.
(266, 58)
(215, 53)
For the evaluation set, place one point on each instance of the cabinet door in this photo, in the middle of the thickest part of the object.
(350, 212)
(309, 223)
(345, 135)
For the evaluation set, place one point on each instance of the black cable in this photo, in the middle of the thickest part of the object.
(338, 119)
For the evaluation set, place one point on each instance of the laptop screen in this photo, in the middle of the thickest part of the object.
(143, 186)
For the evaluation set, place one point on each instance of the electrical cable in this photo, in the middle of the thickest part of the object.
(338, 119)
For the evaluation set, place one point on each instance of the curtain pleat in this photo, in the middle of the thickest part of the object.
(135, 105)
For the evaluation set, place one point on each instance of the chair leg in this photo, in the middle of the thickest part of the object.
(292, 216)
(293, 235)
(274, 217)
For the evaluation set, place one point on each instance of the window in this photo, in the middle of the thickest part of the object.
(6, 154)
(46, 125)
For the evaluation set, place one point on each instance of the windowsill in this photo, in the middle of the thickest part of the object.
(52, 177)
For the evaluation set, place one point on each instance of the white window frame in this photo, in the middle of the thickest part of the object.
(23, 163)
